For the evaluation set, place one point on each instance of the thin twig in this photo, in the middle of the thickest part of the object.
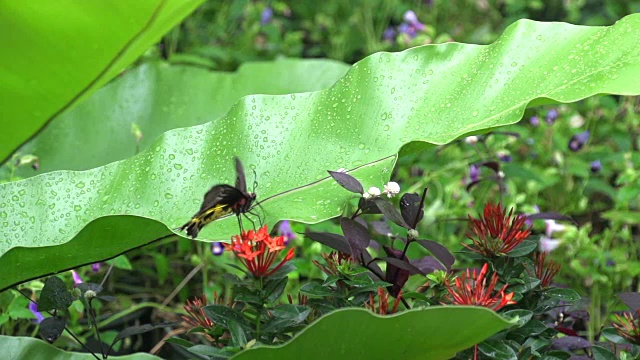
(182, 284)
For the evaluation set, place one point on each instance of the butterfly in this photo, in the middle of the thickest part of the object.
(222, 200)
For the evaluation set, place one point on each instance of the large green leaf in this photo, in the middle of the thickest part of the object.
(14, 347)
(433, 333)
(54, 53)
(157, 97)
(432, 94)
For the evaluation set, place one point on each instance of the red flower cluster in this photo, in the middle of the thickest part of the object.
(472, 289)
(497, 233)
(628, 327)
(383, 303)
(545, 272)
(197, 316)
(258, 251)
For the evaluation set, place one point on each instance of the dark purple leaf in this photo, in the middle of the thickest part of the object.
(568, 343)
(411, 208)
(52, 327)
(107, 298)
(97, 288)
(334, 241)
(381, 227)
(368, 206)
(405, 265)
(347, 181)
(472, 184)
(390, 212)
(362, 222)
(357, 236)
(440, 252)
(54, 295)
(493, 165)
(372, 265)
(428, 264)
(395, 275)
(140, 329)
(631, 299)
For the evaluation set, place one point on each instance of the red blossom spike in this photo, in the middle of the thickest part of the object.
(472, 289)
(496, 233)
(258, 251)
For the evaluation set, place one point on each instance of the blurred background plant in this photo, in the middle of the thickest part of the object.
(577, 160)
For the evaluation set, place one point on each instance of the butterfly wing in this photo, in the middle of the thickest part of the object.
(241, 181)
(219, 201)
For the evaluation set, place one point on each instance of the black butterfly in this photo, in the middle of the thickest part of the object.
(221, 200)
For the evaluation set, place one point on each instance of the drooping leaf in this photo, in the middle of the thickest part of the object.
(334, 241)
(438, 97)
(84, 60)
(52, 327)
(373, 337)
(390, 212)
(427, 264)
(440, 252)
(631, 299)
(140, 329)
(347, 181)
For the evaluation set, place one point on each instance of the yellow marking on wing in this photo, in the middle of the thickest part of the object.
(214, 213)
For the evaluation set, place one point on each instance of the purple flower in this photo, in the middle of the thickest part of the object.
(33, 307)
(96, 266)
(547, 244)
(578, 140)
(285, 230)
(504, 156)
(389, 34)
(596, 166)
(217, 249)
(552, 226)
(551, 117)
(534, 121)
(76, 278)
(266, 16)
(412, 19)
(405, 28)
(474, 173)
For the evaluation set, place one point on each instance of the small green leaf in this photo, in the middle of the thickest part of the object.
(223, 315)
(274, 289)
(313, 288)
(569, 295)
(525, 248)
(600, 353)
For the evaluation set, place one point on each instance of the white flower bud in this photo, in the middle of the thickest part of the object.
(471, 140)
(391, 188)
(374, 191)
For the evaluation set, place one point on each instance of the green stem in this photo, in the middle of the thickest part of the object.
(259, 314)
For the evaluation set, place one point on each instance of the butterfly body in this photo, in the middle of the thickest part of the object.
(221, 200)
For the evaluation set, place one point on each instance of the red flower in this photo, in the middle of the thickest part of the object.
(496, 233)
(628, 327)
(197, 318)
(472, 289)
(545, 272)
(258, 251)
(383, 302)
